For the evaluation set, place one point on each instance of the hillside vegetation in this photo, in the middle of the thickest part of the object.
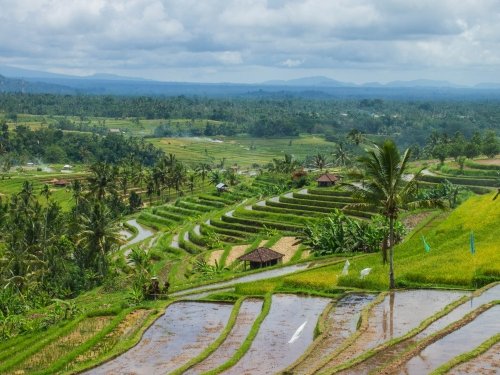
(449, 262)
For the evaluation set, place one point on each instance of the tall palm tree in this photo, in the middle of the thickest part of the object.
(388, 187)
(101, 180)
(319, 161)
(203, 169)
(341, 155)
(99, 235)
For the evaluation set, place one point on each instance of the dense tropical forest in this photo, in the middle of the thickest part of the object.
(112, 208)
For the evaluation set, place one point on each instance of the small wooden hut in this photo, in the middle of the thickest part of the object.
(327, 179)
(261, 257)
(60, 183)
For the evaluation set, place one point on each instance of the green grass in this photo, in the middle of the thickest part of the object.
(449, 263)
(242, 150)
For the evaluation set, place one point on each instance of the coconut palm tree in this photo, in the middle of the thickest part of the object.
(99, 235)
(319, 161)
(203, 169)
(341, 155)
(388, 187)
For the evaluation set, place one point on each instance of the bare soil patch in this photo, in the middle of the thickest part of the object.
(286, 246)
(235, 252)
(215, 256)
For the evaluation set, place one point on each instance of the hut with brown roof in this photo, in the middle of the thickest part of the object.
(327, 179)
(60, 183)
(261, 257)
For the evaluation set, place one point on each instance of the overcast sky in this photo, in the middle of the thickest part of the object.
(256, 40)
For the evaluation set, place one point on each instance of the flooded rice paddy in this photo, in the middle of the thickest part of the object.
(249, 311)
(284, 335)
(458, 342)
(385, 356)
(396, 315)
(179, 335)
(340, 323)
(487, 363)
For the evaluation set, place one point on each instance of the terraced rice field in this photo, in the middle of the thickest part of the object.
(182, 333)
(284, 335)
(287, 214)
(249, 311)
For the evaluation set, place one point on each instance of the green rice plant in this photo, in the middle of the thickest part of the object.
(45, 356)
(465, 357)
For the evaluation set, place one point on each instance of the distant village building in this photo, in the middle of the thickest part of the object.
(114, 130)
(327, 179)
(221, 186)
(261, 257)
(66, 168)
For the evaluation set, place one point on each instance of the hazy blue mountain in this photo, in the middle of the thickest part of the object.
(24, 86)
(309, 82)
(422, 83)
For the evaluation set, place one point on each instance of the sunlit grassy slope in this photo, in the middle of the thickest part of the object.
(449, 262)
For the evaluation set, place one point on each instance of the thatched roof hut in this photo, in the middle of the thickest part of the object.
(261, 257)
(327, 179)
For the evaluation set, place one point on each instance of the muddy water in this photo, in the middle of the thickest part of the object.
(396, 315)
(487, 363)
(284, 335)
(458, 313)
(340, 323)
(249, 311)
(460, 341)
(180, 334)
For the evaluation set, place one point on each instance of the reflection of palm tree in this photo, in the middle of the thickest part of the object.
(386, 188)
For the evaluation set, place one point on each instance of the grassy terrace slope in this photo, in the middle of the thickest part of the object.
(449, 262)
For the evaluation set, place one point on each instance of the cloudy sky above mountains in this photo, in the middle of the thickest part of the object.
(256, 40)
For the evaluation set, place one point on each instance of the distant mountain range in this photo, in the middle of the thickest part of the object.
(32, 81)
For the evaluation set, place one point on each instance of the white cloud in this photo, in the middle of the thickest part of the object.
(214, 35)
(292, 63)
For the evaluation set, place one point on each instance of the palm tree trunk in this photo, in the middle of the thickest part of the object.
(392, 285)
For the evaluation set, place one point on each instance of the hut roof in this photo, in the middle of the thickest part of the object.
(328, 177)
(61, 182)
(261, 255)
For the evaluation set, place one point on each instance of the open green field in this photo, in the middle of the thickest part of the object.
(243, 151)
